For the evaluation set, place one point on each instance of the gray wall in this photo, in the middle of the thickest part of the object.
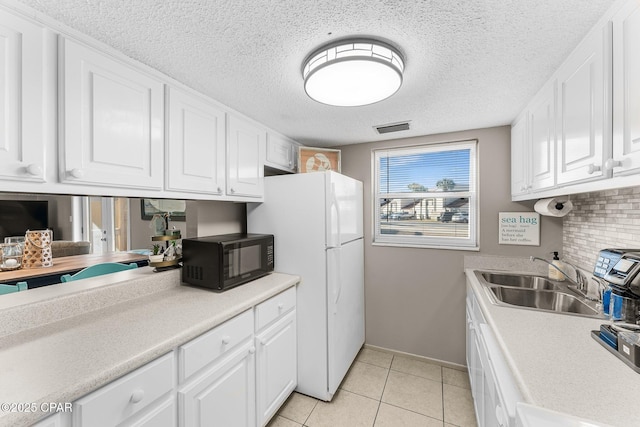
(599, 220)
(415, 298)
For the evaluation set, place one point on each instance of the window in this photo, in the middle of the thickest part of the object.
(426, 196)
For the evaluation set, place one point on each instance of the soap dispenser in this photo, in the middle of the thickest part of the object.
(554, 274)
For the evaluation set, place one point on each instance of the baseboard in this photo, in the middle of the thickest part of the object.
(417, 357)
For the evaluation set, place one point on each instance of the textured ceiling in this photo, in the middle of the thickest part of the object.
(469, 63)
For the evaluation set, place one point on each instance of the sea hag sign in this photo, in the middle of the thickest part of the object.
(519, 228)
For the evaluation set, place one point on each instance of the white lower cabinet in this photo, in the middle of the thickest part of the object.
(224, 395)
(120, 402)
(276, 357)
(495, 395)
(238, 374)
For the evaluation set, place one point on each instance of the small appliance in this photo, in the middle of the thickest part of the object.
(619, 269)
(228, 260)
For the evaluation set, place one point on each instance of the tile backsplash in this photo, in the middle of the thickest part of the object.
(604, 219)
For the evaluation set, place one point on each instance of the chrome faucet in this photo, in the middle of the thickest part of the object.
(581, 283)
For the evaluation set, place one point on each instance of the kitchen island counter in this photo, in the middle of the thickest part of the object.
(133, 317)
(558, 366)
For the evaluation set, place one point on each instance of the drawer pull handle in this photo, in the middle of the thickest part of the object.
(226, 339)
(137, 396)
(263, 342)
(252, 350)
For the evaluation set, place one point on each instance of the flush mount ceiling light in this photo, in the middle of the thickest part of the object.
(353, 72)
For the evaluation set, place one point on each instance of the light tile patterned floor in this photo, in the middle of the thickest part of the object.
(386, 390)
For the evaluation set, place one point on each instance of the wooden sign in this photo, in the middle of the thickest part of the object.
(519, 228)
(318, 159)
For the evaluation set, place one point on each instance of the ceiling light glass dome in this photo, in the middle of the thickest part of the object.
(353, 72)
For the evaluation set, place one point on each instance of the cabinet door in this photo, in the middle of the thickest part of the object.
(112, 130)
(542, 136)
(245, 158)
(519, 157)
(276, 366)
(626, 90)
(222, 396)
(584, 82)
(281, 153)
(195, 144)
(25, 119)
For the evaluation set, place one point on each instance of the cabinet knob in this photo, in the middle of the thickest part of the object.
(529, 187)
(137, 396)
(219, 190)
(593, 168)
(76, 173)
(226, 339)
(610, 164)
(252, 350)
(232, 191)
(262, 341)
(280, 306)
(34, 170)
(523, 188)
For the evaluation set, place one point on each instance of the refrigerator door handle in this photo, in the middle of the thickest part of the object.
(335, 239)
(337, 279)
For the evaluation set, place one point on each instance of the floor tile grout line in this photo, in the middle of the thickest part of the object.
(414, 412)
(382, 394)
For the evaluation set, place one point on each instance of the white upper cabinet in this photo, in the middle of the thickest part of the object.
(281, 153)
(519, 156)
(111, 121)
(626, 90)
(195, 144)
(583, 105)
(25, 117)
(245, 157)
(542, 164)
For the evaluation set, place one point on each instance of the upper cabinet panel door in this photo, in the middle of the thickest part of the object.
(519, 157)
(111, 121)
(584, 82)
(626, 90)
(245, 153)
(25, 119)
(543, 139)
(281, 153)
(195, 145)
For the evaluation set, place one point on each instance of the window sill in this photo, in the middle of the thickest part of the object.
(408, 245)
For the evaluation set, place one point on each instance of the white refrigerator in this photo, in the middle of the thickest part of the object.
(316, 219)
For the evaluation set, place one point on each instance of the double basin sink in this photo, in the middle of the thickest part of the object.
(536, 293)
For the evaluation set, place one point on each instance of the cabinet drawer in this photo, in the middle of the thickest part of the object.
(275, 307)
(126, 396)
(201, 351)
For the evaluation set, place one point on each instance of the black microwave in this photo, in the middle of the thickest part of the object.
(225, 261)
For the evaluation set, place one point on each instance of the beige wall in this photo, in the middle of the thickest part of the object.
(415, 298)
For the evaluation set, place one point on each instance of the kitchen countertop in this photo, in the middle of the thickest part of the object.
(557, 365)
(70, 350)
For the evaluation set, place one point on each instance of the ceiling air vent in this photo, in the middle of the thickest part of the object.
(392, 127)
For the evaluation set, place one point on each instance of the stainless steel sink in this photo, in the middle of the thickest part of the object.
(519, 281)
(535, 293)
(542, 300)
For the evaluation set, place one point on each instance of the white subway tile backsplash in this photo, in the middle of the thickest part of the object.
(605, 219)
